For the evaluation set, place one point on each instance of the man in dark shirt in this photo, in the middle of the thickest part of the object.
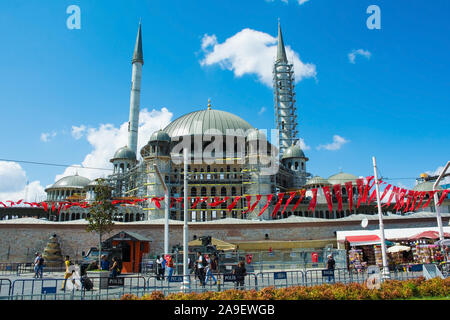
(330, 268)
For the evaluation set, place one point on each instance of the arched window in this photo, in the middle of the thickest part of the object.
(213, 191)
(233, 191)
(296, 165)
(223, 191)
(193, 192)
(203, 191)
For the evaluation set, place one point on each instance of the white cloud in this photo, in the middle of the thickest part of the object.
(437, 172)
(106, 139)
(251, 52)
(78, 132)
(47, 136)
(361, 52)
(13, 184)
(262, 110)
(337, 143)
(300, 2)
(302, 144)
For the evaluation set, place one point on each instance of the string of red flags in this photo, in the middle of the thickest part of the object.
(335, 195)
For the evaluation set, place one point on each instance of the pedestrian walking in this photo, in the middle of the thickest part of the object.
(158, 263)
(35, 265)
(40, 266)
(201, 268)
(240, 272)
(169, 265)
(330, 267)
(210, 268)
(104, 263)
(68, 273)
(115, 268)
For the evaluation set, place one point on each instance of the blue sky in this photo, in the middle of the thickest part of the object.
(393, 104)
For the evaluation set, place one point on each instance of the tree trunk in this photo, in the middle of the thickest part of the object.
(99, 250)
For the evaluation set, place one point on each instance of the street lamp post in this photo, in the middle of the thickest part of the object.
(436, 200)
(186, 283)
(385, 272)
(166, 210)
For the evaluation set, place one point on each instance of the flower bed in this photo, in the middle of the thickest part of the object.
(391, 289)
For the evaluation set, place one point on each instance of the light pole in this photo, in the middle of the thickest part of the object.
(166, 210)
(385, 272)
(436, 200)
(186, 280)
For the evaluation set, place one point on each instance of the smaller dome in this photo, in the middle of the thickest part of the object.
(159, 136)
(124, 153)
(75, 181)
(425, 186)
(256, 135)
(293, 151)
(342, 178)
(317, 181)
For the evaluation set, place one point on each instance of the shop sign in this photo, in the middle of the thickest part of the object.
(327, 273)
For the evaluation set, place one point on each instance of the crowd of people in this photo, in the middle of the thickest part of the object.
(205, 268)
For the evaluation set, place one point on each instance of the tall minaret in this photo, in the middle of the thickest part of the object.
(284, 96)
(138, 62)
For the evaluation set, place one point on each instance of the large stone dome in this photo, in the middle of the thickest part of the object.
(342, 178)
(199, 122)
(293, 151)
(75, 181)
(124, 153)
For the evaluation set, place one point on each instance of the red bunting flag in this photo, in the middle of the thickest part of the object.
(218, 202)
(312, 204)
(326, 191)
(413, 204)
(372, 196)
(302, 194)
(385, 191)
(409, 199)
(4, 205)
(393, 193)
(360, 185)
(443, 196)
(157, 201)
(289, 201)
(337, 192)
(278, 205)
(44, 205)
(367, 189)
(349, 187)
(421, 196)
(269, 198)
(431, 194)
(250, 208)
(233, 204)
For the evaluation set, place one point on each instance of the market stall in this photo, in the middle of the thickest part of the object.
(363, 251)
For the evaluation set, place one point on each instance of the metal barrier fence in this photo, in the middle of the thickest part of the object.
(5, 287)
(15, 268)
(114, 288)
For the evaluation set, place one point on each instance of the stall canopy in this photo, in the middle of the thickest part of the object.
(428, 235)
(220, 245)
(363, 240)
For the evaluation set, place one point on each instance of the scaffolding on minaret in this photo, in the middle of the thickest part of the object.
(284, 98)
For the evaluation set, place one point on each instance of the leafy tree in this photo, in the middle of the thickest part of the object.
(101, 213)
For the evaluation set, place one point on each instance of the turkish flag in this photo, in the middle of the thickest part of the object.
(385, 191)
(269, 198)
(393, 193)
(312, 204)
(360, 185)
(233, 204)
(289, 201)
(421, 196)
(409, 199)
(250, 208)
(157, 201)
(326, 191)
(431, 193)
(278, 205)
(349, 187)
(443, 196)
(337, 192)
(367, 189)
(218, 202)
(302, 194)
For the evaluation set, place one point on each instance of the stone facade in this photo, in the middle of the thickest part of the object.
(19, 241)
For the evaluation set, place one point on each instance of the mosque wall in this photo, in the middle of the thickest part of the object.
(18, 242)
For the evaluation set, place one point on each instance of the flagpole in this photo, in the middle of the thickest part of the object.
(186, 280)
(385, 272)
